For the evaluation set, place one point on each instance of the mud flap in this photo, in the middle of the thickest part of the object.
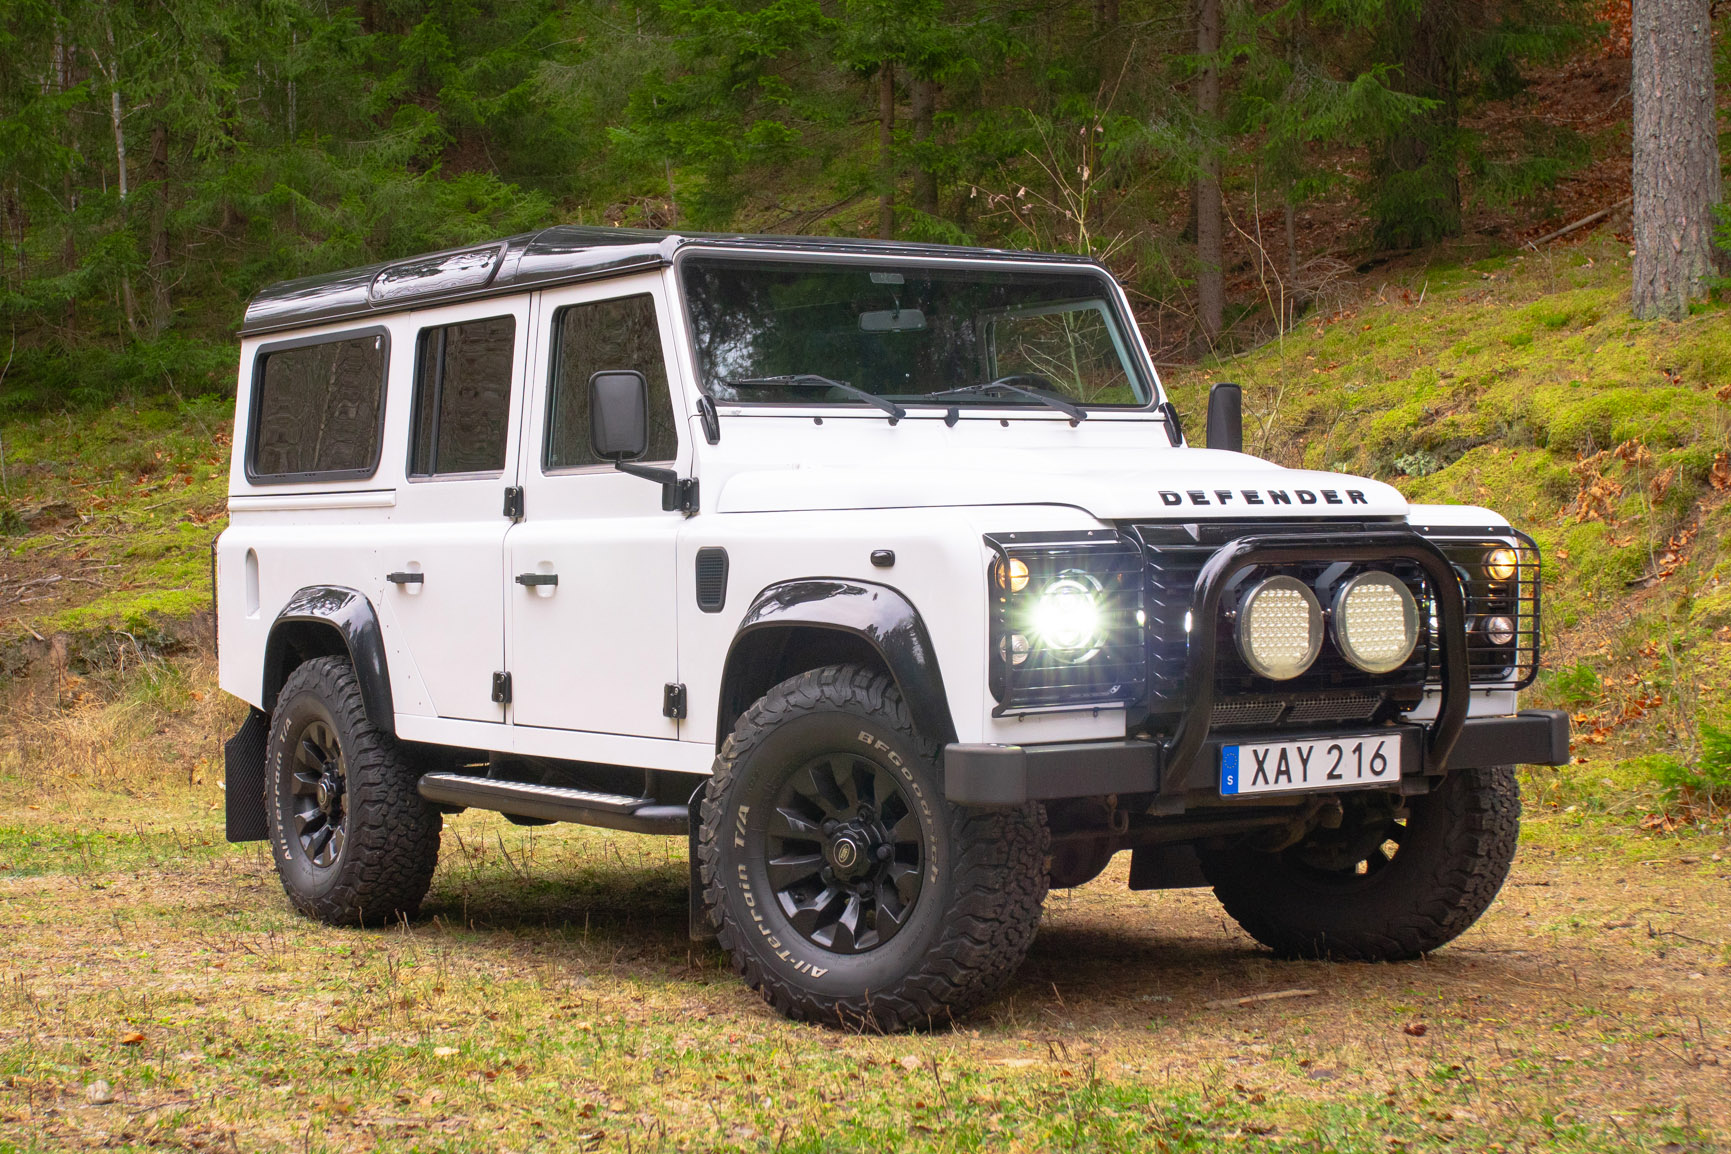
(243, 773)
(698, 926)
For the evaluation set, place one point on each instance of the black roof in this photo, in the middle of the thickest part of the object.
(557, 255)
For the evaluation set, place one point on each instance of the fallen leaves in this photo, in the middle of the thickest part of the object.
(1719, 476)
(1415, 1029)
(132, 1038)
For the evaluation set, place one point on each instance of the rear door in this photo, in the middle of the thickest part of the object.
(443, 551)
(592, 610)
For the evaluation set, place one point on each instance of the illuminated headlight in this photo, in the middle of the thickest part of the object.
(1502, 564)
(1375, 622)
(1066, 618)
(1279, 628)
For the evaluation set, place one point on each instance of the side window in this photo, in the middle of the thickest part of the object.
(318, 407)
(462, 397)
(597, 337)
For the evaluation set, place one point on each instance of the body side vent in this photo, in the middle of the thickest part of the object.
(711, 578)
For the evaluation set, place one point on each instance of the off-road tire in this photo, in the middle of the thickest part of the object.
(983, 870)
(1448, 868)
(391, 840)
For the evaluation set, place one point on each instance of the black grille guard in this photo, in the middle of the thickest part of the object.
(1179, 751)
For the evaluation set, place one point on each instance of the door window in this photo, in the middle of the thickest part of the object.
(605, 336)
(462, 397)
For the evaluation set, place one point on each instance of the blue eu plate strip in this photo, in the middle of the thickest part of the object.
(1228, 770)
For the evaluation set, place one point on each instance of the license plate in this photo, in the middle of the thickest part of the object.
(1310, 766)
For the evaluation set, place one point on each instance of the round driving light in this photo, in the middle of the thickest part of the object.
(1066, 619)
(1499, 630)
(1018, 574)
(1502, 564)
(1015, 647)
(1375, 622)
(1279, 628)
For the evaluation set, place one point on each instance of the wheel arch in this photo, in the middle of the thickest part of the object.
(796, 626)
(331, 621)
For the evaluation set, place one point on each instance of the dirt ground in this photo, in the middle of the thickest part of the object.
(549, 999)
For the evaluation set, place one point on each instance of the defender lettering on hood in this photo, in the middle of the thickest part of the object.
(1265, 496)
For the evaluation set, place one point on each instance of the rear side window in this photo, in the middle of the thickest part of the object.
(605, 336)
(318, 409)
(463, 397)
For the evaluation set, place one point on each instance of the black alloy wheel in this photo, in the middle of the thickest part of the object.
(353, 840)
(845, 887)
(846, 855)
(318, 783)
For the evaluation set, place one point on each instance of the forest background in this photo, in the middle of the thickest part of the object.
(162, 160)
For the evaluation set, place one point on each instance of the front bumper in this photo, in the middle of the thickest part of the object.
(1013, 774)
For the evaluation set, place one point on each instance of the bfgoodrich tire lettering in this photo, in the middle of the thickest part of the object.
(1400, 891)
(934, 950)
(353, 841)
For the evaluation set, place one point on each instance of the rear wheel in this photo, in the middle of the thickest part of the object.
(1389, 883)
(353, 841)
(843, 884)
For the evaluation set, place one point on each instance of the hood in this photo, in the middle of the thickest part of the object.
(1113, 485)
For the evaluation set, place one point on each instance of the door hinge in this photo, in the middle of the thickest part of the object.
(514, 502)
(502, 688)
(673, 701)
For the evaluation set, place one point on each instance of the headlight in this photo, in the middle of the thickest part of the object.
(1066, 618)
(1375, 622)
(1067, 625)
(1279, 628)
(1502, 564)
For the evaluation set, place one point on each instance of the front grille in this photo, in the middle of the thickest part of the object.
(1334, 707)
(1246, 711)
(1176, 555)
(1027, 670)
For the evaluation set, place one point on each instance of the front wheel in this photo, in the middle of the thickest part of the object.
(845, 887)
(1388, 884)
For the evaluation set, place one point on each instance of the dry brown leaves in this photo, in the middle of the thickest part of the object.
(1719, 476)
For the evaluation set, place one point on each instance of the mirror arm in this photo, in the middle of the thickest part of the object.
(678, 494)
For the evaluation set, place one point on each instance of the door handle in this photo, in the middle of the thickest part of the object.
(401, 578)
(537, 578)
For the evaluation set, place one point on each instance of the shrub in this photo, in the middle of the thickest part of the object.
(1708, 781)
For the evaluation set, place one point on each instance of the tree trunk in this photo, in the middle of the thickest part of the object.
(160, 306)
(1105, 13)
(1417, 198)
(128, 302)
(1676, 147)
(1210, 271)
(925, 107)
(886, 151)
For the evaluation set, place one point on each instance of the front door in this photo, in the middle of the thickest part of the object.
(591, 565)
(443, 549)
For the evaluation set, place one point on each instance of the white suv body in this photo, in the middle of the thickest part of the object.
(417, 491)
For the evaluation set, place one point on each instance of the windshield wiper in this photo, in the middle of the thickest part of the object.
(1008, 385)
(814, 381)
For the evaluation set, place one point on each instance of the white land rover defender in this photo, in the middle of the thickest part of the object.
(883, 572)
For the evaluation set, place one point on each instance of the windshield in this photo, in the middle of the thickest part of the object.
(815, 333)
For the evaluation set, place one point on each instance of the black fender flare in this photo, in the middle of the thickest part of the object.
(880, 615)
(351, 616)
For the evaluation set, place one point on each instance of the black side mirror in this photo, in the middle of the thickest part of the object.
(1226, 418)
(618, 415)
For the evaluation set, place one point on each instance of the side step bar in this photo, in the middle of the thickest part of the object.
(556, 803)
